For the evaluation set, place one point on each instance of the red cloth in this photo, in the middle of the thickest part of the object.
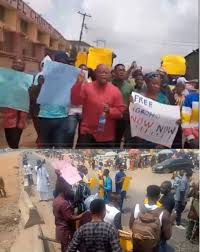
(93, 97)
(14, 118)
(63, 212)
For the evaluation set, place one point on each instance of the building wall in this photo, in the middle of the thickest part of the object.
(26, 35)
(6, 61)
(31, 67)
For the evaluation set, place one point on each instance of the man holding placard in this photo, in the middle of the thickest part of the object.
(55, 100)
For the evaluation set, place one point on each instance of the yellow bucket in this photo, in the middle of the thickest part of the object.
(98, 56)
(81, 59)
(174, 64)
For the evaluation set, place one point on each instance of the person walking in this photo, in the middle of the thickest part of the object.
(107, 186)
(119, 179)
(15, 121)
(96, 235)
(181, 186)
(150, 223)
(28, 172)
(64, 218)
(192, 232)
(167, 201)
(2, 188)
(53, 119)
(42, 181)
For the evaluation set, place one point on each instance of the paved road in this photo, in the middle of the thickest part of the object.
(141, 179)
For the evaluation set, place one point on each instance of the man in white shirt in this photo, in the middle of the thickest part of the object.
(74, 117)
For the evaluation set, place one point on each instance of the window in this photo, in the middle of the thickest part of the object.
(39, 36)
(51, 43)
(2, 13)
(29, 49)
(7, 44)
(24, 26)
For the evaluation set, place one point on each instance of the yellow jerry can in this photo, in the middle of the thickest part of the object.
(174, 64)
(98, 56)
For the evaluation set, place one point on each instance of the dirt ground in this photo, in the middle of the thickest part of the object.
(9, 211)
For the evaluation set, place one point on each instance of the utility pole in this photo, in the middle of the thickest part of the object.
(82, 26)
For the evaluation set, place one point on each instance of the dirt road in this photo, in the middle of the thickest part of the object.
(9, 212)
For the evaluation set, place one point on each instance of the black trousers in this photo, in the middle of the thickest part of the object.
(121, 126)
(88, 141)
(179, 209)
(13, 136)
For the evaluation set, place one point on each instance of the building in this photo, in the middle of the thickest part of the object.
(192, 63)
(26, 35)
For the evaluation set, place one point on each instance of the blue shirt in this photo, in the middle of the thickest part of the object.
(108, 184)
(119, 176)
(181, 185)
(52, 111)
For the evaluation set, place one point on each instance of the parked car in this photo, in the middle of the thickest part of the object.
(171, 165)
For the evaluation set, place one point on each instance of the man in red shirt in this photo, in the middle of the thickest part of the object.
(103, 105)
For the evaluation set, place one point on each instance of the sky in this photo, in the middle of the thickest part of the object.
(141, 30)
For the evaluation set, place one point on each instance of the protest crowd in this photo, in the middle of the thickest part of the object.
(88, 211)
(105, 108)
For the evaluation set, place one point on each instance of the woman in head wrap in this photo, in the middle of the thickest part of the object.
(53, 118)
(153, 91)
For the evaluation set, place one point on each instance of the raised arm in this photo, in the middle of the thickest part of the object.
(77, 91)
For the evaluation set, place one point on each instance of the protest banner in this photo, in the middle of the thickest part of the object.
(14, 87)
(59, 79)
(153, 121)
(68, 172)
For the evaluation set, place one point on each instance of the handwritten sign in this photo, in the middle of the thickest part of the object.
(59, 79)
(68, 172)
(153, 121)
(14, 87)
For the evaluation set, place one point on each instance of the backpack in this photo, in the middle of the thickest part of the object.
(147, 229)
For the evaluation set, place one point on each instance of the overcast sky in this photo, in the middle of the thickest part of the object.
(141, 30)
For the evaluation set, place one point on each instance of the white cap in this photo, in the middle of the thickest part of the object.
(181, 80)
